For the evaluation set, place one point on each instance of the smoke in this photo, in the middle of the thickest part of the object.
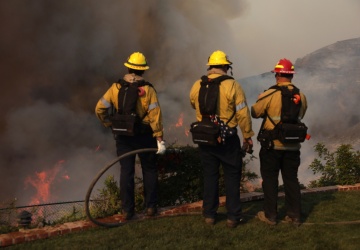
(59, 57)
(308, 25)
(329, 78)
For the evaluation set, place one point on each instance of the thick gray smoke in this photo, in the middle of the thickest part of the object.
(59, 57)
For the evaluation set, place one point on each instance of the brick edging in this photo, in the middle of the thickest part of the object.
(27, 235)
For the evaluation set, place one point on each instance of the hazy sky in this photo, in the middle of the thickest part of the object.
(269, 30)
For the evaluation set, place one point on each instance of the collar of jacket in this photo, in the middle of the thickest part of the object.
(132, 78)
(215, 71)
(283, 83)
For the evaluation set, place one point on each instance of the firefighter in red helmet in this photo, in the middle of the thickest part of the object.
(284, 66)
(278, 154)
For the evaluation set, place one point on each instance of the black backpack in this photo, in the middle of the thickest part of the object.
(289, 129)
(209, 93)
(126, 121)
(207, 132)
(290, 103)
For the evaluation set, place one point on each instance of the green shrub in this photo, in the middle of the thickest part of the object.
(107, 202)
(181, 176)
(74, 215)
(180, 182)
(341, 167)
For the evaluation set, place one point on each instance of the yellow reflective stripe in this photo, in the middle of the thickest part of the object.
(281, 66)
(105, 102)
(275, 118)
(240, 106)
(153, 105)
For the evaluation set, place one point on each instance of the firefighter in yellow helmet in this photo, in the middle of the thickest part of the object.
(276, 154)
(221, 107)
(136, 124)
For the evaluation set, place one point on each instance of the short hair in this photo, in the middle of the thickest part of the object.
(288, 76)
(136, 72)
(219, 66)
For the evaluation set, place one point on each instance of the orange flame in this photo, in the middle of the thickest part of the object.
(66, 177)
(179, 124)
(187, 132)
(180, 120)
(97, 148)
(42, 182)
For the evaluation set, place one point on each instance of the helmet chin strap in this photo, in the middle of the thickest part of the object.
(230, 70)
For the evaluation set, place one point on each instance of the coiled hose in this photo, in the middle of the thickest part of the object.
(98, 176)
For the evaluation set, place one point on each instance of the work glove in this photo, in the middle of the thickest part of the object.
(248, 145)
(161, 147)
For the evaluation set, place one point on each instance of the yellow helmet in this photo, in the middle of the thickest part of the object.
(218, 58)
(137, 61)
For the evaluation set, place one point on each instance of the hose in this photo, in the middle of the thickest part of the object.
(98, 176)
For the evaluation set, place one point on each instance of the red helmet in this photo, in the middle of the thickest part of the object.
(284, 66)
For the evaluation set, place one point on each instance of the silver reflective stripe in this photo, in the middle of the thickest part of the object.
(119, 129)
(153, 105)
(199, 140)
(240, 106)
(106, 103)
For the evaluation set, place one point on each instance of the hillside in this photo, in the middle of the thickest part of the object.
(330, 78)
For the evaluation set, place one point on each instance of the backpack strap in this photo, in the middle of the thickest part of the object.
(145, 83)
(209, 93)
(277, 88)
(141, 84)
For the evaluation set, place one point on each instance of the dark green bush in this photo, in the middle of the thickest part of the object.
(180, 182)
(181, 176)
